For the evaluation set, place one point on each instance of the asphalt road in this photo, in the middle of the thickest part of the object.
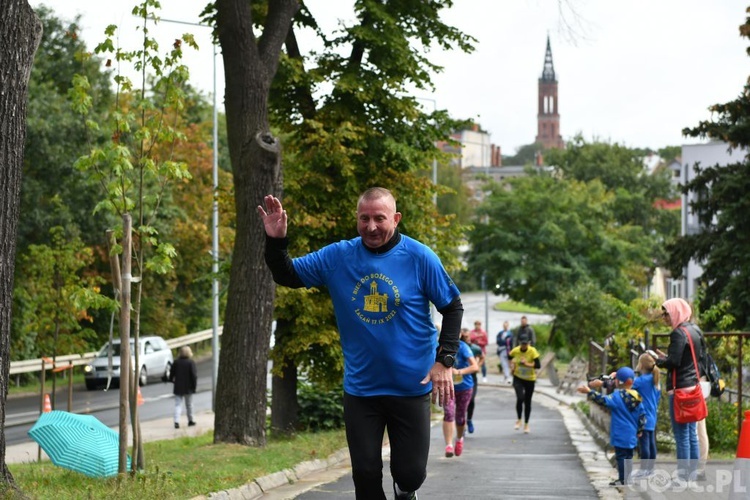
(21, 412)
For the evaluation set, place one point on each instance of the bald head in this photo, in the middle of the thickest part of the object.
(377, 218)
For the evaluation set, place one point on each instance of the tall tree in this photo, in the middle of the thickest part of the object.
(20, 33)
(622, 172)
(250, 64)
(721, 205)
(137, 169)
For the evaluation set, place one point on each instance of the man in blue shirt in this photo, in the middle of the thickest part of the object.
(381, 284)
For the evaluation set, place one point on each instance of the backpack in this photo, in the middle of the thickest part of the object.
(711, 371)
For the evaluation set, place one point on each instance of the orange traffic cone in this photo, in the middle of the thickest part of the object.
(140, 399)
(738, 488)
(47, 405)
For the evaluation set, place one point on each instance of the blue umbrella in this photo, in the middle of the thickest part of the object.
(78, 442)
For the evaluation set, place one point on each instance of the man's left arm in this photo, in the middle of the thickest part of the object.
(450, 331)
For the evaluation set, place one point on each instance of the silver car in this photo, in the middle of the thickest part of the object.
(155, 358)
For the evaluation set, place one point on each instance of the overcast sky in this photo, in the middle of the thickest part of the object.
(634, 72)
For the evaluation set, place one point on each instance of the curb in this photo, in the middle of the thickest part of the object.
(262, 485)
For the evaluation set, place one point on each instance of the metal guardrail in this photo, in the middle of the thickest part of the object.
(35, 365)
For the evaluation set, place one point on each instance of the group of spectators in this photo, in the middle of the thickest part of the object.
(634, 402)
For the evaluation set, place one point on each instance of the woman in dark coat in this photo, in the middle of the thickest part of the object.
(681, 373)
(184, 375)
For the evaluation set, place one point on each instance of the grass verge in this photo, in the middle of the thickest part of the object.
(180, 468)
(517, 307)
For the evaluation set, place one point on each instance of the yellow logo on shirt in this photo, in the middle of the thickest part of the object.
(376, 302)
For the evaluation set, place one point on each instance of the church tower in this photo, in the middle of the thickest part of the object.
(548, 119)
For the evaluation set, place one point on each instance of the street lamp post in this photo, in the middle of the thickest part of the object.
(486, 304)
(214, 228)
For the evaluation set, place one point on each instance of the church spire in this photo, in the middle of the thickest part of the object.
(548, 116)
(548, 73)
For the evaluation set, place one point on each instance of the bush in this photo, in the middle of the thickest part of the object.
(721, 426)
(320, 410)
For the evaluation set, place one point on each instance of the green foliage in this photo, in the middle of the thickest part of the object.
(136, 166)
(721, 205)
(70, 98)
(55, 298)
(545, 233)
(721, 425)
(582, 312)
(622, 172)
(584, 406)
(320, 410)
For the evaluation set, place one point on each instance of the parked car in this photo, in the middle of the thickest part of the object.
(155, 358)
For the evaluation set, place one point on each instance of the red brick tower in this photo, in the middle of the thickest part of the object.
(548, 119)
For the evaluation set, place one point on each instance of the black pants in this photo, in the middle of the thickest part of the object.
(408, 422)
(524, 391)
(470, 409)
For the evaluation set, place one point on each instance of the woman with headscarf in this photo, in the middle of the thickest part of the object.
(681, 373)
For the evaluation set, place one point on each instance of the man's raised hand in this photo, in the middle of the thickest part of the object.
(273, 217)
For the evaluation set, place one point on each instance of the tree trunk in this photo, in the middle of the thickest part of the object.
(20, 34)
(249, 67)
(284, 406)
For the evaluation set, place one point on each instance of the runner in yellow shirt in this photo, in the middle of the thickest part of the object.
(524, 360)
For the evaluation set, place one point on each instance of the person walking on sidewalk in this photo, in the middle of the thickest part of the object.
(524, 362)
(627, 415)
(454, 413)
(480, 338)
(504, 341)
(477, 352)
(381, 284)
(184, 376)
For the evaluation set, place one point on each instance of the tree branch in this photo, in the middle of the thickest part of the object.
(278, 23)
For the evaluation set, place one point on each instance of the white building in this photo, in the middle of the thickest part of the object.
(706, 155)
(476, 148)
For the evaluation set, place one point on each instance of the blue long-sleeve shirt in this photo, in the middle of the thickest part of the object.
(628, 416)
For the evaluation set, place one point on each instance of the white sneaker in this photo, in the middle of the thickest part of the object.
(484, 380)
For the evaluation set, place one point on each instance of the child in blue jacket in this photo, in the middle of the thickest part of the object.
(647, 385)
(627, 416)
